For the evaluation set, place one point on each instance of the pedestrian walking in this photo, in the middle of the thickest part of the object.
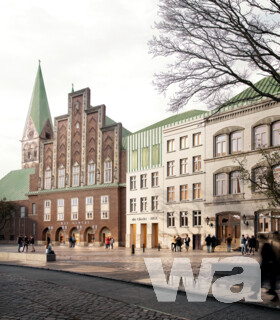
(243, 244)
(246, 244)
(112, 242)
(187, 242)
(252, 244)
(179, 243)
(70, 242)
(19, 242)
(25, 244)
(73, 241)
(32, 243)
(213, 243)
(229, 240)
(107, 243)
(173, 244)
(208, 241)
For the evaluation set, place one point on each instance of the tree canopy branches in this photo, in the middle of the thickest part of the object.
(215, 45)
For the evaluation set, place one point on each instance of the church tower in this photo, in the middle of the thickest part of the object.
(38, 126)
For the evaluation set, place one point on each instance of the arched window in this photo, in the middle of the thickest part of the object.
(260, 136)
(61, 177)
(235, 142)
(91, 173)
(276, 133)
(220, 184)
(76, 175)
(108, 171)
(221, 145)
(236, 185)
(48, 178)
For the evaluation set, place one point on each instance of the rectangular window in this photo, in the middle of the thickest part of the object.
(170, 219)
(184, 166)
(236, 185)
(47, 210)
(74, 201)
(104, 199)
(143, 180)
(89, 215)
(170, 194)
(184, 219)
(47, 217)
(260, 137)
(104, 214)
(91, 173)
(155, 154)
(108, 172)
(134, 160)
(74, 215)
(60, 216)
(133, 183)
(170, 168)
(143, 202)
(154, 203)
(145, 157)
(221, 145)
(155, 179)
(197, 191)
(89, 200)
(47, 204)
(133, 205)
(197, 139)
(196, 218)
(33, 208)
(22, 212)
(60, 202)
(236, 142)
(184, 192)
(276, 133)
(197, 164)
(61, 178)
(184, 142)
(170, 145)
(76, 176)
(48, 178)
(221, 184)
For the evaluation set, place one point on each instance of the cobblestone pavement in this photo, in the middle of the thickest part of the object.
(28, 299)
(28, 293)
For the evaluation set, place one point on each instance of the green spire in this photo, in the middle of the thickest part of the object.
(39, 108)
(72, 87)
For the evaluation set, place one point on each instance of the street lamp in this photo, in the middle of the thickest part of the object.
(245, 220)
(207, 220)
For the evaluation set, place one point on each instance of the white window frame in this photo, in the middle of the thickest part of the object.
(132, 204)
(132, 182)
(155, 179)
(170, 220)
(143, 204)
(89, 200)
(184, 220)
(61, 177)
(104, 214)
(76, 175)
(104, 199)
(221, 184)
(155, 204)
(108, 171)
(184, 142)
(91, 173)
(170, 145)
(184, 166)
(170, 168)
(48, 178)
(197, 218)
(143, 180)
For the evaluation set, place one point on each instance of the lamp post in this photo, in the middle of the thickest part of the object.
(245, 220)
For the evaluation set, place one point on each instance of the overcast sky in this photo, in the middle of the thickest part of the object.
(91, 43)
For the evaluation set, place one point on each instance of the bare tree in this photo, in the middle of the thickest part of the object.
(266, 177)
(215, 45)
(6, 212)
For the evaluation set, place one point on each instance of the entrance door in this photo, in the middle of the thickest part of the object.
(90, 237)
(133, 234)
(197, 242)
(155, 235)
(144, 235)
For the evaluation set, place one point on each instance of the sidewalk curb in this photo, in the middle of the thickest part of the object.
(146, 285)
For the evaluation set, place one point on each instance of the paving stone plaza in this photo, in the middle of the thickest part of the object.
(95, 283)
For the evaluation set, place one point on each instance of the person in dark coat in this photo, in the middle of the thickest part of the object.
(208, 241)
(32, 243)
(252, 244)
(187, 242)
(70, 242)
(19, 242)
(213, 243)
(25, 243)
(229, 240)
(179, 243)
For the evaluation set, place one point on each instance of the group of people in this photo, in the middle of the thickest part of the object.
(210, 242)
(109, 242)
(24, 241)
(248, 244)
(177, 243)
(72, 242)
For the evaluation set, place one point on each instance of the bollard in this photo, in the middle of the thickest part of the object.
(158, 247)
(133, 249)
(143, 247)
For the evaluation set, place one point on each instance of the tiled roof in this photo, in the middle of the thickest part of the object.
(15, 184)
(39, 108)
(176, 118)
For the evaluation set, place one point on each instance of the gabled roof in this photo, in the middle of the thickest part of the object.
(39, 109)
(15, 184)
(109, 121)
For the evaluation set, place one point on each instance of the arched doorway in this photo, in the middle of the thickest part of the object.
(76, 234)
(60, 236)
(46, 235)
(89, 236)
(228, 223)
(105, 232)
